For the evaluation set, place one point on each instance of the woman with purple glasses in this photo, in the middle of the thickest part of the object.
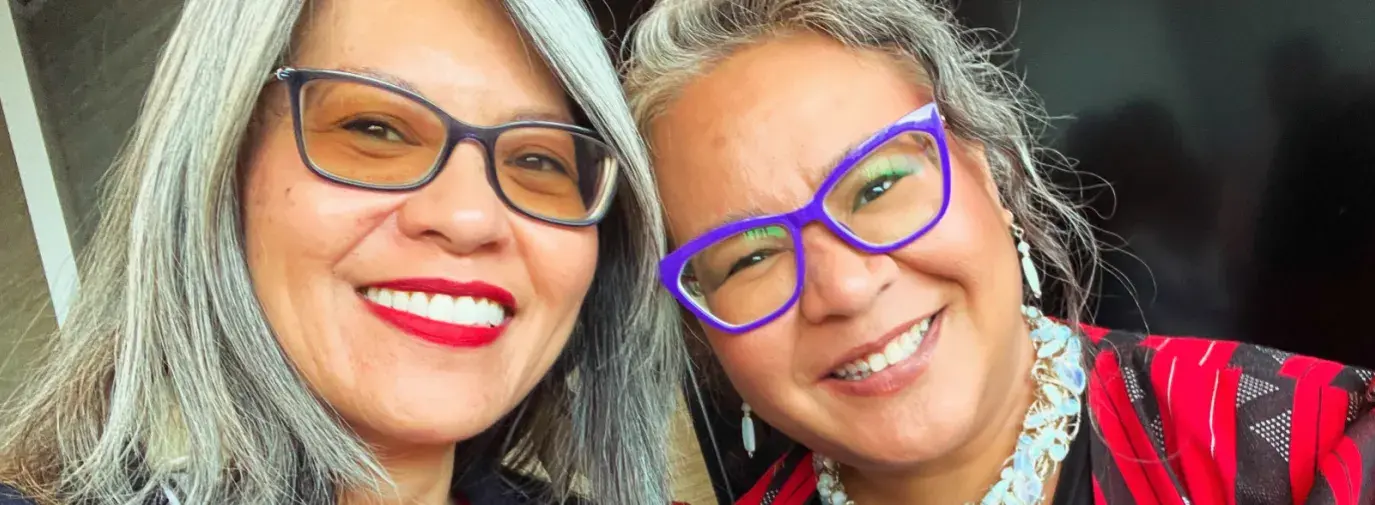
(865, 236)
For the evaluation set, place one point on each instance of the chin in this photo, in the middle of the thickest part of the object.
(427, 414)
(920, 439)
(925, 424)
(433, 427)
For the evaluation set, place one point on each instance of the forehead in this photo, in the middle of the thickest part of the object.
(760, 130)
(465, 55)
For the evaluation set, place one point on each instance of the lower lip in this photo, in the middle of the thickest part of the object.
(897, 377)
(436, 332)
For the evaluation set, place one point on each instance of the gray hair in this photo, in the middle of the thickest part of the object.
(678, 40)
(167, 375)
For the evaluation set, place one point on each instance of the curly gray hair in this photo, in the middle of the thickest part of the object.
(677, 40)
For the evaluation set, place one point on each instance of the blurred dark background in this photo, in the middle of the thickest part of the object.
(1240, 145)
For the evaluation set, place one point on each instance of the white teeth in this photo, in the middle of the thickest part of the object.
(382, 297)
(877, 362)
(895, 352)
(441, 308)
(401, 300)
(493, 310)
(464, 310)
(419, 305)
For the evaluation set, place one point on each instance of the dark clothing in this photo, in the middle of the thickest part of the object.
(1075, 485)
(11, 496)
(506, 488)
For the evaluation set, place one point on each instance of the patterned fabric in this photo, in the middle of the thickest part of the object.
(1182, 421)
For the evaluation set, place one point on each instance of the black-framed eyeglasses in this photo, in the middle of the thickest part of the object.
(368, 133)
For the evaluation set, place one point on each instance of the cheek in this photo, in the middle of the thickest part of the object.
(756, 361)
(298, 228)
(971, 245)
(972, 254)
(562, 261)
(273, 220)
(292, 217)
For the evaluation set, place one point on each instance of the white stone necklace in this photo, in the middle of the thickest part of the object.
(1050, 424)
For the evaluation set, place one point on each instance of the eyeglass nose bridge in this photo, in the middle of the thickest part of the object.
(460, 132)
(815, 212)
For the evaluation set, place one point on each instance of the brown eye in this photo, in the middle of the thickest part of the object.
(538, 163)
(375, 129)
(749, 260)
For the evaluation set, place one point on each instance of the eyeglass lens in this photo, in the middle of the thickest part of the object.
(892, 193)
(374, 137)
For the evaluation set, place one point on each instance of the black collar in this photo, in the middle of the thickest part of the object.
(1075, 485)
(504, 487)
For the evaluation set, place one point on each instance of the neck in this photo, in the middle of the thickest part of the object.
(422, 476)
(966, 474)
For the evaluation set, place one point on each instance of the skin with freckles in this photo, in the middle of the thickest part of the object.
(757, 133)
(314, 244)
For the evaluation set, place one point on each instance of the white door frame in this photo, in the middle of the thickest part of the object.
(42, 186)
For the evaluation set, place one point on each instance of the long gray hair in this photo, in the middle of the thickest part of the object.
(678, 40)
(167, 375)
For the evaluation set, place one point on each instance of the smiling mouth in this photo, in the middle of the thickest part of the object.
(898, 350)
(475, 311)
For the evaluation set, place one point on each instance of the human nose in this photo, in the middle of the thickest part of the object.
(839, 280)
(458, 210)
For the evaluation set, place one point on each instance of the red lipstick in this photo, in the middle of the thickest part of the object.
(440, 332)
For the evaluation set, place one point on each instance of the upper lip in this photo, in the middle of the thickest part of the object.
(475, 289)
(876, 345)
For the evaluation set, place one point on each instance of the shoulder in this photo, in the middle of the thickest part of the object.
(1162, 360)
(789, 481)
(1227, 417)
(12, 496)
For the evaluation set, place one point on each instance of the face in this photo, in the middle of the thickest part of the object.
(491, 294)
(758, 134)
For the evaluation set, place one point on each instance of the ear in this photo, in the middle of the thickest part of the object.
(973, 155)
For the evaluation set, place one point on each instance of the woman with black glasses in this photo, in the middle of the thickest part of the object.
(861, 222)
(360, 252)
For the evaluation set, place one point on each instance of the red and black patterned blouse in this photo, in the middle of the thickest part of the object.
(1179, 421)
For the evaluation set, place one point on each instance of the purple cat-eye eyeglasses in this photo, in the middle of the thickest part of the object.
(889, 191)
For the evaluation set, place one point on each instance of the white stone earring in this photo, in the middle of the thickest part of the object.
(747, 430)
(1033, 278)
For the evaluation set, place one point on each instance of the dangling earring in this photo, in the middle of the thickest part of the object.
(747, 430)
(1033, 278)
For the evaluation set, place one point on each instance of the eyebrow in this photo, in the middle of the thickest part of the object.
(754, 211)
(737, 216)
(833, 163)
(541, 115)
(524, 114)
(384, 77)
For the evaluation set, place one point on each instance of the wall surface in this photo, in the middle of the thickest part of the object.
(26, 316)
(92, 61)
